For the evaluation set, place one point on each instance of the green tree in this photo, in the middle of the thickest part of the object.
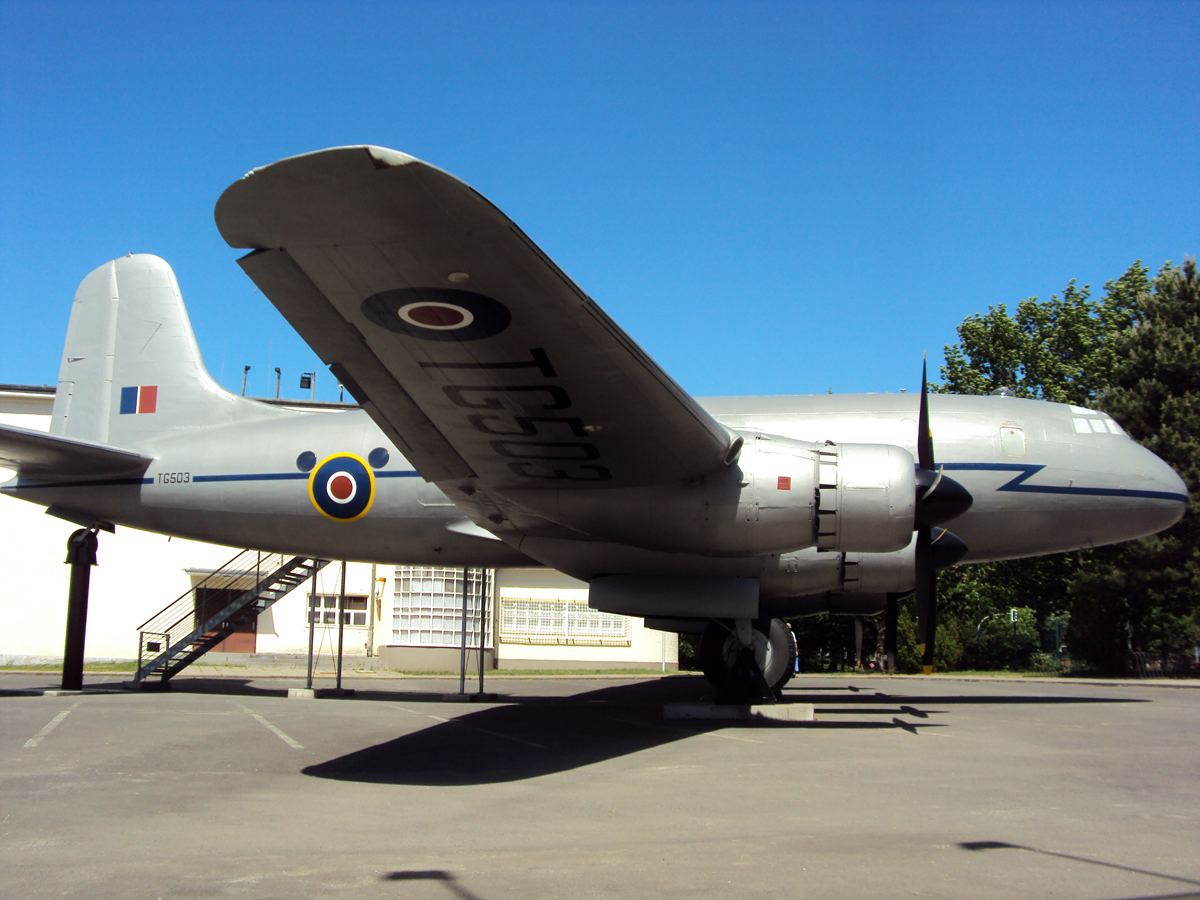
(1066, 349)
(947, 648)
(969, 593)
(1060, 349)
(1142, 596)
(1003, 644)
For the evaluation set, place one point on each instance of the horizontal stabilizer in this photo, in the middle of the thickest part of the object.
(47, 457)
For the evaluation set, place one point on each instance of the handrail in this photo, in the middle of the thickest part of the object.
(167, 619)
(205, 622)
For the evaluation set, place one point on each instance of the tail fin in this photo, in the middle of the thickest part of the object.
(131, 367)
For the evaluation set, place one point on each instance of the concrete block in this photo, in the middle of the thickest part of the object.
(778, 712)
(470, 698)
(301, 693)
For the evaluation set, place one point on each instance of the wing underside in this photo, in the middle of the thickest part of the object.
(482, 361)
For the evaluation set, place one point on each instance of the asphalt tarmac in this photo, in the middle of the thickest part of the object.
(578, 788)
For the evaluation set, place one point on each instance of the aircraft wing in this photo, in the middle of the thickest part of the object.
(48, 457)
(468, 346)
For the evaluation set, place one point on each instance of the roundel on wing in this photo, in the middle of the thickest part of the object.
(437, 314)
(342, 487)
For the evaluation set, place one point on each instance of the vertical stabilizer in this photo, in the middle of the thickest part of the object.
(131, 368)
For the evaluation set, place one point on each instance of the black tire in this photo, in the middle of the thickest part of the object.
(717, 650)
(788, 640)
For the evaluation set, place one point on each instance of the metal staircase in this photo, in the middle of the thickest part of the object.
(215, 608)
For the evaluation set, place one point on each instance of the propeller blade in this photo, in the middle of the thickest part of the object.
(926, 595)
(930, 625)
(924, 435)
(939, 499)
(924, 572)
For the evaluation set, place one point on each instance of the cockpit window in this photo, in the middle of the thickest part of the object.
(1097, 425)
(1012, 441)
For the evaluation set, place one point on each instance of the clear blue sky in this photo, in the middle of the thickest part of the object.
(770, 197)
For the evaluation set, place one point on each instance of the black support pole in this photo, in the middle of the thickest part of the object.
(482, 621)
(891, 621)
(81, 556)
(312, 622)
(462, 658)
(341, 623)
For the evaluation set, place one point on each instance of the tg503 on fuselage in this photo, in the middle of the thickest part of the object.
(505, 420)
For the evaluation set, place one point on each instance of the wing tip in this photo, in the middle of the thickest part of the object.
(380, 158)
(241, 204)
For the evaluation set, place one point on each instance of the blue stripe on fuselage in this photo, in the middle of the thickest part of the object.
(288, 476)
(1028, 470)
(1024, 471)
(124, 482)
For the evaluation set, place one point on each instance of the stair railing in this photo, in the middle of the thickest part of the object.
(184, 615)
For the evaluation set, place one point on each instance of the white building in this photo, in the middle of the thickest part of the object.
(406, 618)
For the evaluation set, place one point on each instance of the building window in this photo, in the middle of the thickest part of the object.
(428, 602)
(558, 616)
(324, 610)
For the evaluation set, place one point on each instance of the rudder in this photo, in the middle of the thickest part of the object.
(131, 367)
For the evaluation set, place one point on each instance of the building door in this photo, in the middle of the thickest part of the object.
(209, 602)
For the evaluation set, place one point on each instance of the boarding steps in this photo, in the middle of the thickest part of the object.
(186, 629)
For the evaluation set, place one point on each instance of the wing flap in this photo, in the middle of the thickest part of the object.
(443, 300)
(47, 457)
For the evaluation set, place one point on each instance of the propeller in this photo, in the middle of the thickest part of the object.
(939, 500)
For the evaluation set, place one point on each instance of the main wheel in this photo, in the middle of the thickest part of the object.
(775, 653)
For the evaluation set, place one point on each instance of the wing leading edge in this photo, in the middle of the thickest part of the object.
(472, 350)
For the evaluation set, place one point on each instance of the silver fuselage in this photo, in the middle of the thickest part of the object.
(1044, 477)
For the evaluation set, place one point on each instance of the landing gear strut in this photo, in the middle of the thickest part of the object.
(747, 661)
(81, 556)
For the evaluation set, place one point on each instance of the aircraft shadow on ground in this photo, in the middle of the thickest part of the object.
(532, 736)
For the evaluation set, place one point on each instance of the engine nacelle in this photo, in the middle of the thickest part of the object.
(781, 495)
(868, 496)
(810, 572)
(810, 581)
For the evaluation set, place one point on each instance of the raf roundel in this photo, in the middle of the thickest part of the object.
(437, 314)
(342, 487)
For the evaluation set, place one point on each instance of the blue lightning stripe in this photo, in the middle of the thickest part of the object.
(1025, 471)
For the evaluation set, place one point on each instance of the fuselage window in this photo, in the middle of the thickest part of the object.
(1012, 441)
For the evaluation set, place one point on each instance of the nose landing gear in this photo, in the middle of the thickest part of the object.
(747, 661)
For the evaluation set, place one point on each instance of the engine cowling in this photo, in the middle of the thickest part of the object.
(780, 495)
(868, 498)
